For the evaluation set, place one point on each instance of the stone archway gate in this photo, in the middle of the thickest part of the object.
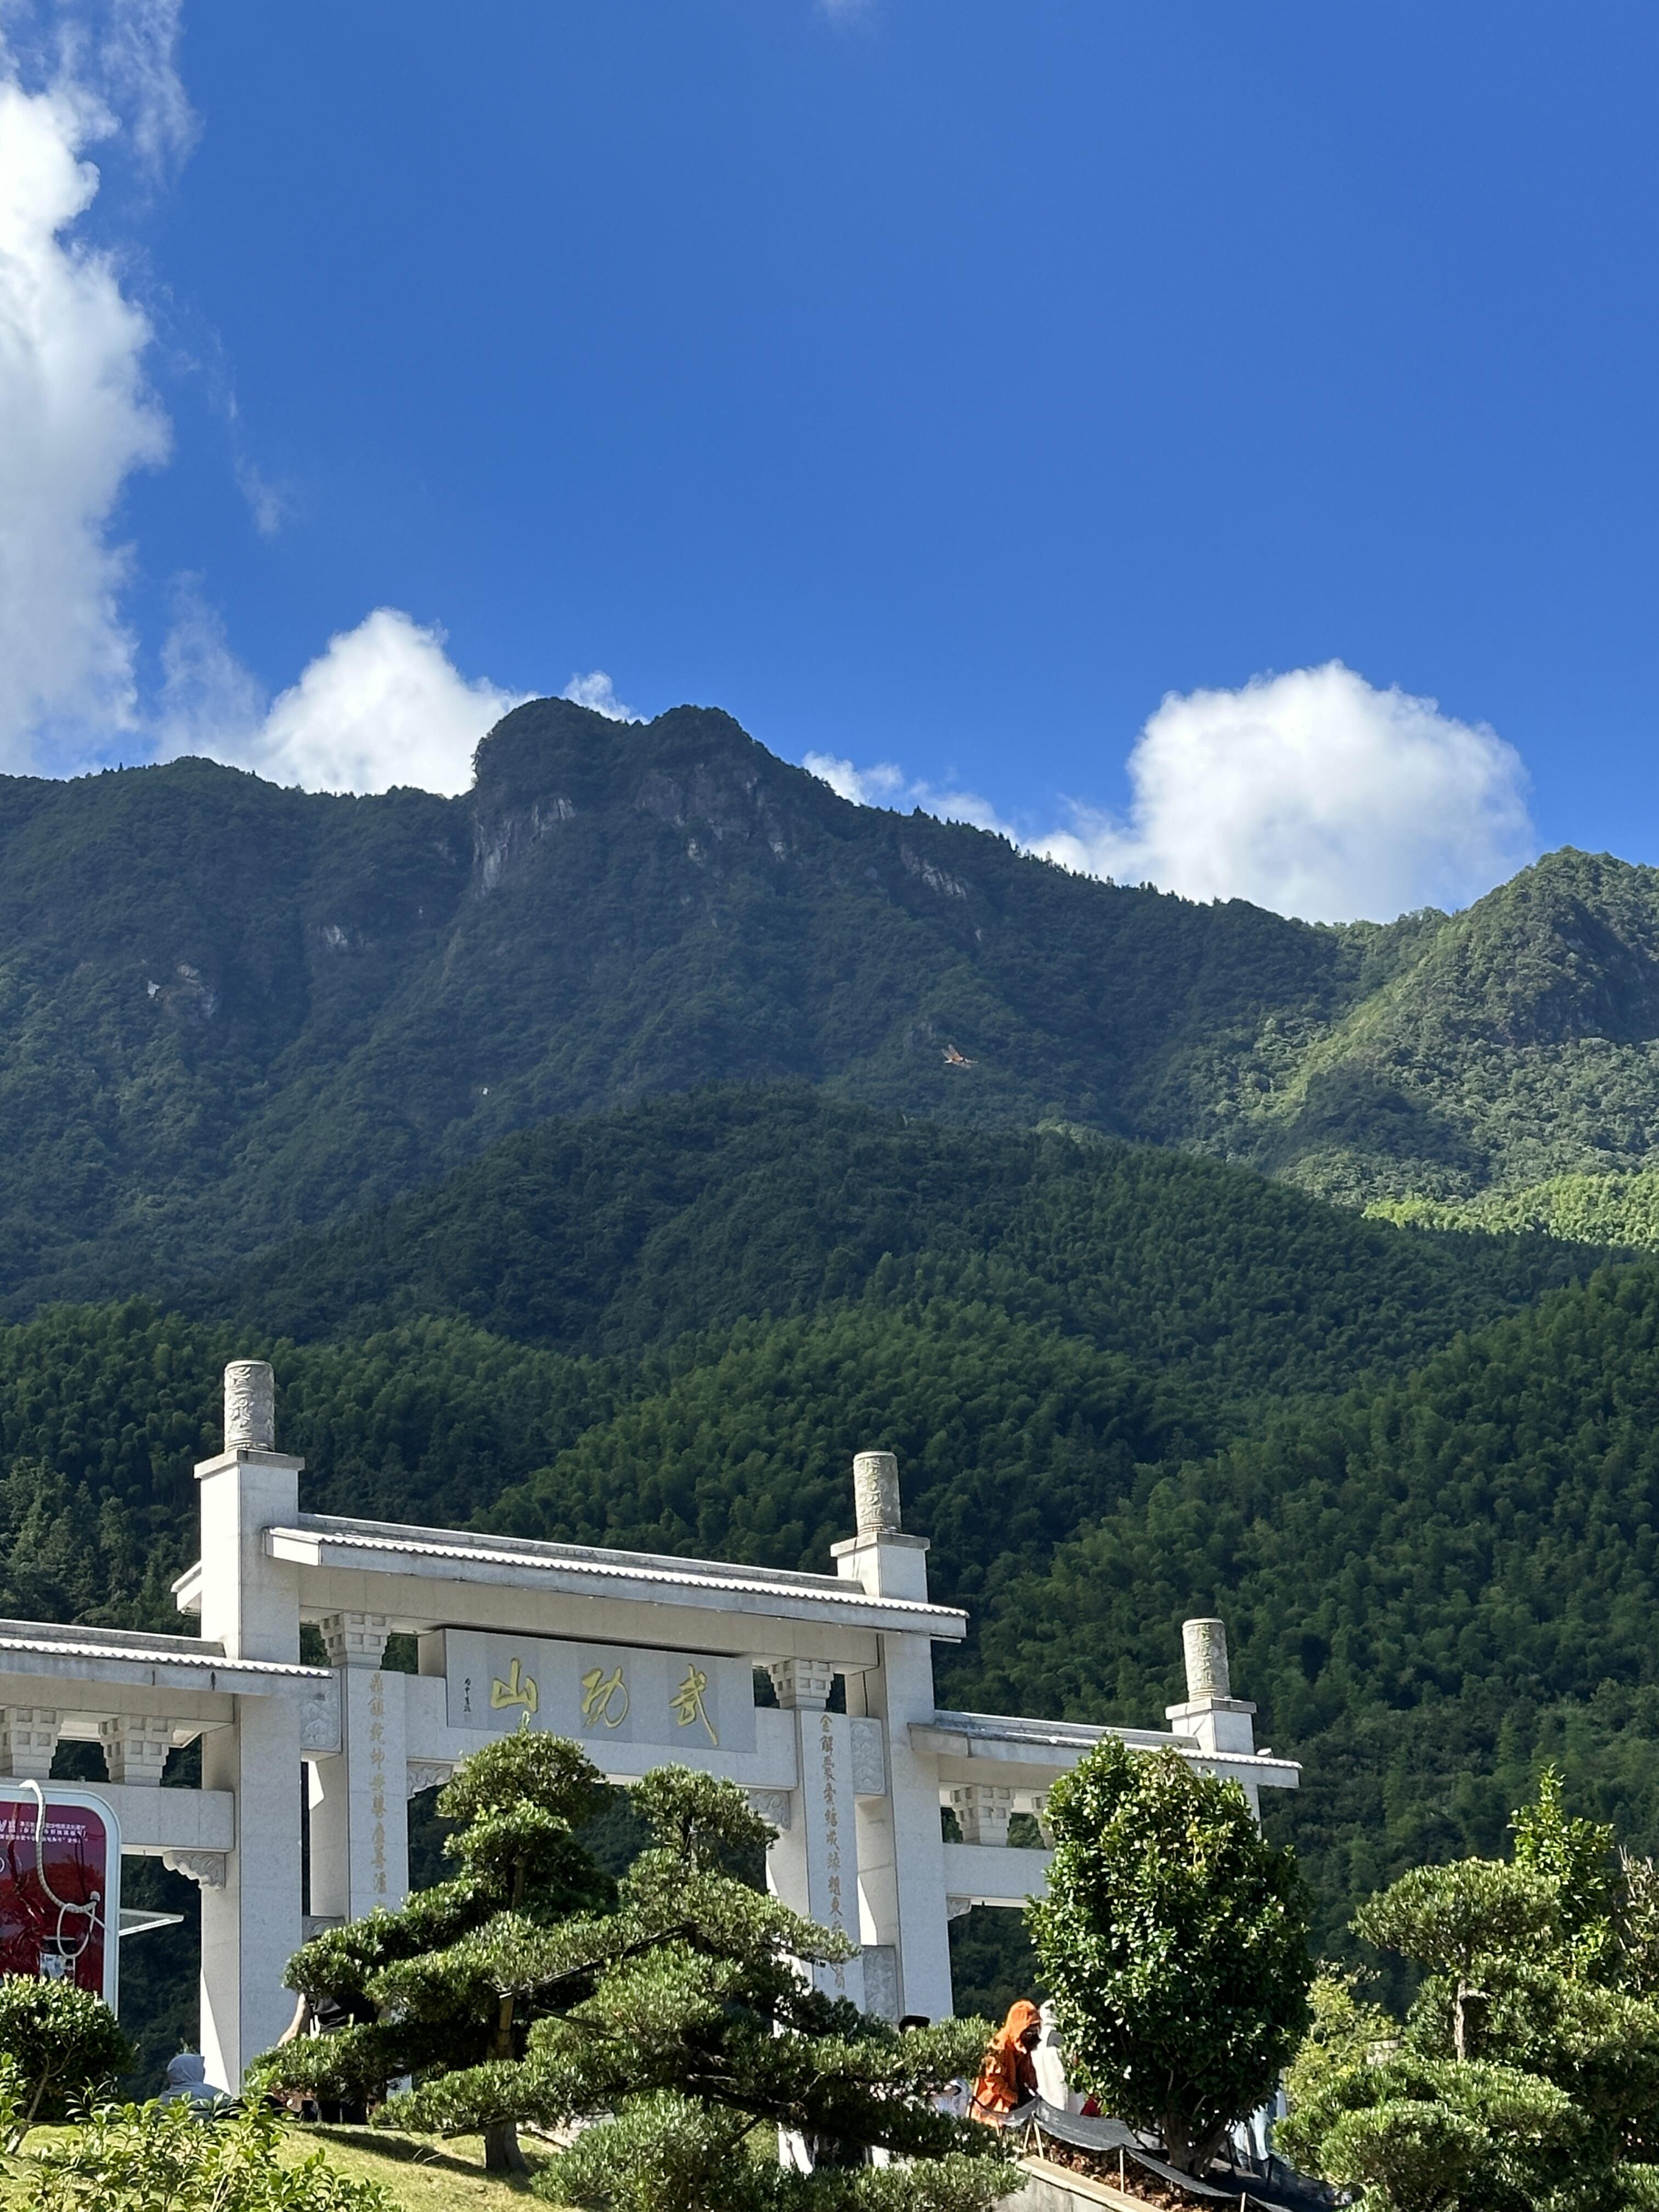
(644, 1659)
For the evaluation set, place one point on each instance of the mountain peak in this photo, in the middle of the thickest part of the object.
(555, 748)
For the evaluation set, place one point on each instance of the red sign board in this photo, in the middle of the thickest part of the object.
(60, 1886)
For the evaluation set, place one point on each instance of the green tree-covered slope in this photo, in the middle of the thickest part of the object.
(630, 1229)
(228, 1012)
(1429, 1586)
(1519, 1045)
(1124, 1385)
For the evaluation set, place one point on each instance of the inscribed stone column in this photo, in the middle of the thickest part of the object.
(250, 1603)
(358, 1802)
(813, 1867)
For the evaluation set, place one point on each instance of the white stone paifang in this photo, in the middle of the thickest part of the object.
(643, 1660)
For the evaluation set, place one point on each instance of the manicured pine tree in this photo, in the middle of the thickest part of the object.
(409, 1981)
(684, 2028)
(1525, 2076)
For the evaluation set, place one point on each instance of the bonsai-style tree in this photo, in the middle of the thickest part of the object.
(683, 2026)
(1527, 2072)
(1174, 1941)
(59, 2046)
(409, 1981)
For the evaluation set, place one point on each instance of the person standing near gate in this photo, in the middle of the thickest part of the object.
(1008, 2072)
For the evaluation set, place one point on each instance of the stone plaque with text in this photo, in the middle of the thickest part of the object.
(599, 1692)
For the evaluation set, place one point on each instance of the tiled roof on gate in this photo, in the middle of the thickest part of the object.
(317, 1533)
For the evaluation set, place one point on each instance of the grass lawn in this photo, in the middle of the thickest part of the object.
(420, 2173)
(424, 2175)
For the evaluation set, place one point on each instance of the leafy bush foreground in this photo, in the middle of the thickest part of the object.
(163, 2158)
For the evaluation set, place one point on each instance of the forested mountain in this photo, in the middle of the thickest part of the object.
(228, 1012)
(610, 1152)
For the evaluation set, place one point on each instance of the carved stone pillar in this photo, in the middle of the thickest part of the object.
(982, 1811)
(876, 1493)
(360, 1800)
(29, 1738)
(136, 1746)
(249, 1406)
(803, 1685)
(355, 1639)
(813, 1866)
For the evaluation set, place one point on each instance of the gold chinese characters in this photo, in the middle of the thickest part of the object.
(519, 1689)
(601, 1693)
(686, 1703)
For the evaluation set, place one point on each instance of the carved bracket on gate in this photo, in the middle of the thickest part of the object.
(205, 1869)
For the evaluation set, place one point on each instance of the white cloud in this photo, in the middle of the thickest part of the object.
(595, 690)
(78, 418)
(127, 50)
(1314, 794)
(384, 705)
(209, 702)
(887, 785)
(267, 503)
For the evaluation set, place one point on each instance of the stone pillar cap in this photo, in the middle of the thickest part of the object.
(249, 1406)
(876, 1493)
(1204, 1647)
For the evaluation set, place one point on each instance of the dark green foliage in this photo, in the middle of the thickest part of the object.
(1174, 1941)
(618, 1234)
(992, 1964)
(744, 1449)
(63, 2045)
(415, 1982)
(680, 2027)
(1429, 1588)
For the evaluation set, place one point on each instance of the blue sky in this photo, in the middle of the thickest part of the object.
(934, 384)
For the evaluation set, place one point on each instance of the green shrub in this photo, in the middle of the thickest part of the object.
(63, 2045)
(167, 2157)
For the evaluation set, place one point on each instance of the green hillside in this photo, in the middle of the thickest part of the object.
(1124, 1385)
(628, 1230)
(228, 1012)
(1521, 1044)
(1430, 1586)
